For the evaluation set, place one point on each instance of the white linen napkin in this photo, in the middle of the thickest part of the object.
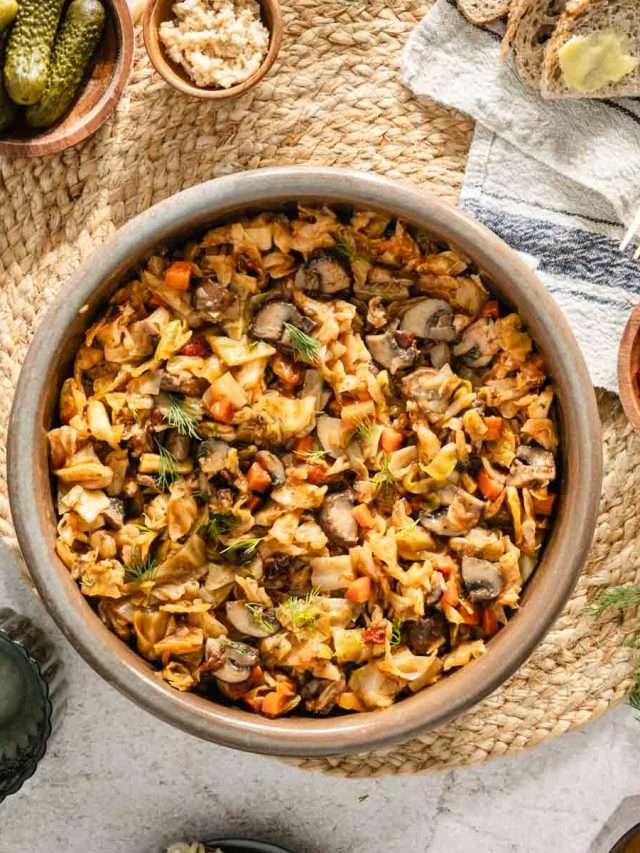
(556, 180)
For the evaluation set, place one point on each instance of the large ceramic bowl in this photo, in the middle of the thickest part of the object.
(48, 361)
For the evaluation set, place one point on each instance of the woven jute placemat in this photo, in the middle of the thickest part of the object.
(334, 98)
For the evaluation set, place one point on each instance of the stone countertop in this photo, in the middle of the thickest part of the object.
(116, 780)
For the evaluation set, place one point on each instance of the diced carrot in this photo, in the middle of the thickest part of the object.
(197, 346)
(223, 411)
(286, 370)
(544, 506)
(257, 478)
(491, 309)
(275, 703)
(359, 590)
(451, 595)
(494, 427)
(304, 444)
(489, 621)
(469, 617)
(317, 474)
(489, 487)
(178, 275)
(363, 516)
(254, 701)
(253, 503)
(391, 439)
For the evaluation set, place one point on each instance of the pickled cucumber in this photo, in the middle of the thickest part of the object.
(8, 11)
(79, 34)
(29, 49)
(8, 109)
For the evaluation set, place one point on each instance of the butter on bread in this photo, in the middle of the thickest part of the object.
(530, 25)
(594, 51)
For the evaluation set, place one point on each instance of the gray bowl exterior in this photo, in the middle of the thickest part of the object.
(48, 361)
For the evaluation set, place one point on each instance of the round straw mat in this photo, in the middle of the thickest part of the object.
(334, 98)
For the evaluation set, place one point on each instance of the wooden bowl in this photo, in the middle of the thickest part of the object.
(628, 367)
(48, 362)
(158, 11)
(97, 97)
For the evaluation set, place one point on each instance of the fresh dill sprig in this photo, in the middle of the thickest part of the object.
(404, 531)
(168, 472)
(396, 632)
(364, 429)
(87, 581)
(244, 548)
(220, 523)
(301, 612)
(621, 598)
(183, 416)
(618, 597)
(260, 617)
(304, 346)
(344, 248)
(312, 455)
(384, 478)
(140, 568)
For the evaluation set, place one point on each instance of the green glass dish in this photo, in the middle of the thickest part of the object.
(31, 686)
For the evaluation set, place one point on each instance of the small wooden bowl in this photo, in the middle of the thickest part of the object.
(628, 366)
(158, 11)
(97, 97)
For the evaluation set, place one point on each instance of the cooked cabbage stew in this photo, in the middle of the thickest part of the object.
(305, 463)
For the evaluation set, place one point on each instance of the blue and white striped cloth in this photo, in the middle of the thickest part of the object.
(557, 181)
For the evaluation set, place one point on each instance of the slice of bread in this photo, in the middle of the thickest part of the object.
(582, 18)
(481, 12)
(530, 26)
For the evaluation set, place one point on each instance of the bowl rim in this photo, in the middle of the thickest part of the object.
(628, 364)
(89, 123)
(155, 52)
(546, 593)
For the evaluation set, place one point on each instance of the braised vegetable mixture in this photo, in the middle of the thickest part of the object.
(305, 462)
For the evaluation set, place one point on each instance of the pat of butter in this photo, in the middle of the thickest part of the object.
(590, 62)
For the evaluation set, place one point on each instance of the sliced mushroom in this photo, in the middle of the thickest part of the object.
(440, 355)
(212, 456)
(183, 383)
(390, 352)
(272, 465)
(178, 445)
(210, 298)
(421, 634)
(320, 695)
(482, 579)
(337, 521)
(330, 435)
(114, 514)
(255, 622)
(478, 344)
(323, 273)
(268, 324)
(229, 661)
(462, 513)
(431, 319)
(532, 465)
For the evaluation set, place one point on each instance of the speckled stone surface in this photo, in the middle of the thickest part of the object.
(115, 780)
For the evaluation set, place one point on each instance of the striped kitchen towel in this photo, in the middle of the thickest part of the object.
(556, 180)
